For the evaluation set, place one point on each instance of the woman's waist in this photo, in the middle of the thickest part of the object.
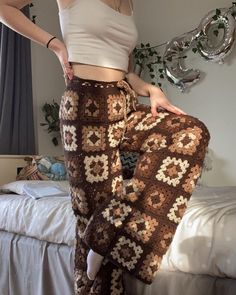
(98, 73)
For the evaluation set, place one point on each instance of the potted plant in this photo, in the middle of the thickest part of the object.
(51, 116)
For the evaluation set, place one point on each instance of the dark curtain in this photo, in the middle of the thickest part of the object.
(16, 98)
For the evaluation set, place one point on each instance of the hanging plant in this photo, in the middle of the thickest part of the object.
(33, 17)
(147, 57)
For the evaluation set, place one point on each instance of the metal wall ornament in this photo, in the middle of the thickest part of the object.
(174, 68)
(182, 77)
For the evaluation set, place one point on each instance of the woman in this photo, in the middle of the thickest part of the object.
(130, 226)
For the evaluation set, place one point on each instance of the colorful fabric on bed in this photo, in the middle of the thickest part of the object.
(43, 168)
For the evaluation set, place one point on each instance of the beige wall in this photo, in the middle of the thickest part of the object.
(8, 167)
(48, 83)
(213, 99)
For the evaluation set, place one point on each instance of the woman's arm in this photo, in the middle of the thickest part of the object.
(11, 16)
(157, 97)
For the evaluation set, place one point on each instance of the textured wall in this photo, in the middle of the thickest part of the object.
(213, 99)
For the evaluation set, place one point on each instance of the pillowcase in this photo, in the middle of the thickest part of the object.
(43, 189)
(17, 187)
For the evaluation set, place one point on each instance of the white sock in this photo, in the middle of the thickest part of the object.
(94, 262)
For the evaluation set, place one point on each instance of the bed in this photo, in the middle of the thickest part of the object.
(37, 238)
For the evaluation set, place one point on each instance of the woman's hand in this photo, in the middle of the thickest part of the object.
(159, 100)
(60, 50)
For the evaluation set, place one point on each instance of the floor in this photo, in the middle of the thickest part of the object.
(178, 283)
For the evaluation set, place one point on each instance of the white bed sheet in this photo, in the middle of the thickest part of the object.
(204, 242)
(49, 219)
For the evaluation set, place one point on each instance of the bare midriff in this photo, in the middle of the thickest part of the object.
(98, 73)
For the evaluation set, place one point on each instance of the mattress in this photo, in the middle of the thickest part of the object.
(204, 242)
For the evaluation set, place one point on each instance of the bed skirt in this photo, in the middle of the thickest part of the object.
(39, 267)
(44, 268)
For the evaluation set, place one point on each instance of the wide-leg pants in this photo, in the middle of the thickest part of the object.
(131, 225)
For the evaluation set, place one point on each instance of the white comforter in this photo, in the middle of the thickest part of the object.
(50, 219)
(204, 243)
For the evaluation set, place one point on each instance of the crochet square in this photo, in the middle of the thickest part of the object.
(96, 168)
(117, 186)
(116, 164)
(141, 226)
(154, 142)
(115, 104)
(93, 138)
(146, 165)
(193, 176)
(177, 211)
(116, 212)
(91, 106)
(150, 267)
(172, 170)
(186, 141)
(79, 200)
(115, 133)
(148, 122)
(126, 252)
(74, 168)
(69, 105)
(69, 138)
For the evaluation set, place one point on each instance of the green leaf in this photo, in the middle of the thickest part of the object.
(218, 12)
(221, 26)
(233, 13)
(202, 33)
(215, 17)
(199, 45)
(55, 141)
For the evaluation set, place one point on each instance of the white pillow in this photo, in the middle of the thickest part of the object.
(17, 187)
(45, 189)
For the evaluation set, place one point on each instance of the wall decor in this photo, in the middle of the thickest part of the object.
(213, 39)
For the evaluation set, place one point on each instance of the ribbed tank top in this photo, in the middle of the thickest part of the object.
(96, 34)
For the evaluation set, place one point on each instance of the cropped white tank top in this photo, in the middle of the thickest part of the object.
(96, 34)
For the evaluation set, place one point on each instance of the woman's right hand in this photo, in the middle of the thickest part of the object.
(60, 50)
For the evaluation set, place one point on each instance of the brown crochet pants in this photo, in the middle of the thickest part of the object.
(132, 225)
